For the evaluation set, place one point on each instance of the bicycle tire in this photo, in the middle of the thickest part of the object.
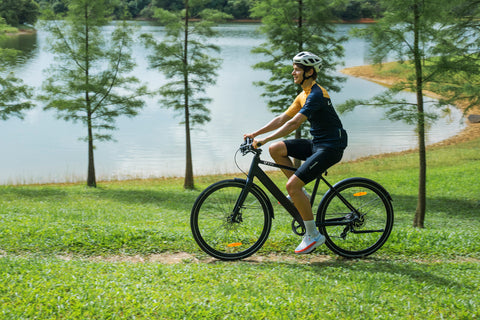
(364, 234)
(216, 234)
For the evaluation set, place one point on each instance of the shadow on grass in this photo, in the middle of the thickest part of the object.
(33, 193)
(168, 199)
(430, 274)
(172, 198)
(452, 206)
(418, 272)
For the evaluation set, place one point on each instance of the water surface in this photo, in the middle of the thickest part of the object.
(44, 149)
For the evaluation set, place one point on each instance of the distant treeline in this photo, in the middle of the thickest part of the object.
(19, 12)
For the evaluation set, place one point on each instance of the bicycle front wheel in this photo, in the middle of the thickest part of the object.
(218, 232)
(356, 219)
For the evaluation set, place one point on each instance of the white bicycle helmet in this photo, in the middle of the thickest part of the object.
(308, 59)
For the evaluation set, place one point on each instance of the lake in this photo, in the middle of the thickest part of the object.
(43, 149)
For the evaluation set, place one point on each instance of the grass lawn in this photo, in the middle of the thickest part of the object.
(72, 252)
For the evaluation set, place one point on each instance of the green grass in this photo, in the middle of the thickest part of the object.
(57, 244)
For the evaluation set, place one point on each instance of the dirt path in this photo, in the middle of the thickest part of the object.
(185, 257)
(169, 258)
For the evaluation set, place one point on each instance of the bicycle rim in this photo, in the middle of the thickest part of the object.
(370, 224)
(214, 230)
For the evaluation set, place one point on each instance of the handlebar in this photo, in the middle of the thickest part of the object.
(247, 147)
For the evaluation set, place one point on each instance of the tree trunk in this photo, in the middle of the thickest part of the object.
(419, 218)
(91, 180)
(298, 133)
(188, 182)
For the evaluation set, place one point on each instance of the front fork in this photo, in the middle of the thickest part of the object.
(236, 216)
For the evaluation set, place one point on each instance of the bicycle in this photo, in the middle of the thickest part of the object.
(231, 219)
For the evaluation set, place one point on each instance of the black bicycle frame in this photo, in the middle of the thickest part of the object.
(256, 171)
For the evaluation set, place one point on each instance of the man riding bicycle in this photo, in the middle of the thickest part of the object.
(329, 140)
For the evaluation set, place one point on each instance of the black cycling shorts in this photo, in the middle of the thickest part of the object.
(317, 158)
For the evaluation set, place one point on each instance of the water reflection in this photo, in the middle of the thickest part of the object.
(25, 43)
(42, 148)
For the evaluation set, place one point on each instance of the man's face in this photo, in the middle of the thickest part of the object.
(297, 74)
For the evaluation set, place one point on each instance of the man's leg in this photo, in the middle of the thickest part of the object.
(301, 201)
(313, 166)
(312, 237)
(278, 151)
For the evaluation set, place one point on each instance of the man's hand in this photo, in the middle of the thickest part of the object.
(248, 136)
(258, 143)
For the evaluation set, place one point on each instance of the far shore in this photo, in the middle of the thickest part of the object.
(471, 131)
(30, 30)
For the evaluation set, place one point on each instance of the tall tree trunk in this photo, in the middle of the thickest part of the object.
(419, 218)
(298, 133)
(188, 182)
(91, 180)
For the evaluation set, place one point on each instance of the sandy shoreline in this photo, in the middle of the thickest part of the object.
(472, 130)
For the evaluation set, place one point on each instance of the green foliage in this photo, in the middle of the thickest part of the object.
(5, 28)
(450, 56)
(239, 9)
(357, 9)
(19, 12)
(14, 95)
(291, 27)
(394, 32)
(89, 81)
(191, 66)
(396, 109)
(460, 69)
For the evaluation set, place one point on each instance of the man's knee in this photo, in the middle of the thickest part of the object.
(294, 184)
(278, 149)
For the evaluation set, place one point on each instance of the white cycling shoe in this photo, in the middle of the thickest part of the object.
(309, 243)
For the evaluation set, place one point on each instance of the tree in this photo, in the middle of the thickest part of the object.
(357, 9)
(88, 82)
(136, 6)
(19, 12)
(460, 79)
(239, 9)
(184, 56)
(170, 5)
(414, 31)
(14, 95)
(292, 26)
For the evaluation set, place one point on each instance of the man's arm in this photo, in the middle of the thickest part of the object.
(276, 123)
(287, 128)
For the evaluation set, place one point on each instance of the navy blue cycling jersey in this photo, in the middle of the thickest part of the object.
(325, 125)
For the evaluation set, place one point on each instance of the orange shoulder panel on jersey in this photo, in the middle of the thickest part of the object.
(296, 105)
(325, 93)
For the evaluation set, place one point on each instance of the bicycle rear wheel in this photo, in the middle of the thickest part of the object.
(223, 236)
(362, 228)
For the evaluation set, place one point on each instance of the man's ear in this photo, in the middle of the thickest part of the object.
(309, 73)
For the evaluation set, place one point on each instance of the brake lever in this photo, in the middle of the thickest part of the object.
(246, 146)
